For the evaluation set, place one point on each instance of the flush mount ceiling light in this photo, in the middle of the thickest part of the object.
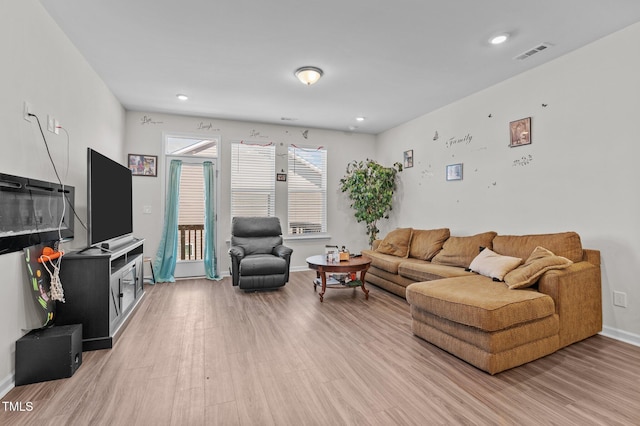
(499, 39)
(308, 75)
(182, 97)
(360, 118)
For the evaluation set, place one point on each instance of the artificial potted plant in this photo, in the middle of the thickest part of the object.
(370, 187)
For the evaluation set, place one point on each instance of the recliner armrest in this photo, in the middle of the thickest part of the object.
(236, 251)
(285, 253)
(237, 254)
(282, 251)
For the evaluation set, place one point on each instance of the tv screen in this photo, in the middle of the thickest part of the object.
(110, 199)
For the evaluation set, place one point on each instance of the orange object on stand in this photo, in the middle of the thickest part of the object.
(49, 254)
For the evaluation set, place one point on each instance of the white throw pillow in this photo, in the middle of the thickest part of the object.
(493, 265)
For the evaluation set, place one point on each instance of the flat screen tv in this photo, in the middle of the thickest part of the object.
(110, 200)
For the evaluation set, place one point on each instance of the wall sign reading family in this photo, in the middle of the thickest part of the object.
(143, 165)
(520, 131)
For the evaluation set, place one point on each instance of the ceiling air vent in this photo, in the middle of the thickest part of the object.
(539, 48)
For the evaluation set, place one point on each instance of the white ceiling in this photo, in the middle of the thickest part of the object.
(387, 60)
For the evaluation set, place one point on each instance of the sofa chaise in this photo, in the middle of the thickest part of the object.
(495, 301)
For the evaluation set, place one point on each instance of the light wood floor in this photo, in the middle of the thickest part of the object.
(199, 352)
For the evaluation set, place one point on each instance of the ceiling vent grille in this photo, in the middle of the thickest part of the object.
(539, 48)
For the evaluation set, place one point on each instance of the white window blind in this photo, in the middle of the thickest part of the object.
(253, 187)
(307, 186)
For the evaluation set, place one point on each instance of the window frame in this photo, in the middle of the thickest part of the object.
(265, 180)
(293, 215)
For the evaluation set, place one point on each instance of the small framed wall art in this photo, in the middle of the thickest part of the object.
(520, 131)
(408, 159)
(143, 165)
(281, 177)
(454, 171)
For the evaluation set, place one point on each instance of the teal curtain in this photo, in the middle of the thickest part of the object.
(165, 263)
(210, 260)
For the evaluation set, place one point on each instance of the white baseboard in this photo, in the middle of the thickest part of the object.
(6, 385)
(623, 336)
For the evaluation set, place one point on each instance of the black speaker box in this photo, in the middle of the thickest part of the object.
(48, 354)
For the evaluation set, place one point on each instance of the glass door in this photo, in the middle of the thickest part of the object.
(193, 151)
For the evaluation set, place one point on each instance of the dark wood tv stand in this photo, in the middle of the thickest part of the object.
(101, 290)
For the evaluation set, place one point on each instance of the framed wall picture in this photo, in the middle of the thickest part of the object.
(454, 171)
(408, 159)
(281, 177)
(143, 165)
(520, 131)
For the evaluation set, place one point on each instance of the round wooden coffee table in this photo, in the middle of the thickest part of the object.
(322, 267)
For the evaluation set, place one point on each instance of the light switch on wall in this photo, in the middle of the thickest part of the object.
(146, 210)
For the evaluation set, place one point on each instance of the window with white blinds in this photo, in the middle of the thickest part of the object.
(253, 186)
(307, 186)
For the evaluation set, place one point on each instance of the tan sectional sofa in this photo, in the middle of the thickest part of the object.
(493, 315)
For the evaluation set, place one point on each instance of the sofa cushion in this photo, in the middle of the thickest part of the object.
(493, 265)
(496, 341)
(480, 302)
(460, 251)
(386, 262)
(427, 243)
(396, 243)
(540, 261)
(565, 244)
(491, 362)
(262, 264)
(420, 270)
(387, 276)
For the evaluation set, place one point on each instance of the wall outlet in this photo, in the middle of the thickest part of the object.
(620, 299)
(146, 210)
(26, 110)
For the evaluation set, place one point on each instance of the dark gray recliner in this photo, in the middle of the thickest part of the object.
(259, 261)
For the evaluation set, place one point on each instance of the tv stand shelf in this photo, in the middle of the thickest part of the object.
(102, 290)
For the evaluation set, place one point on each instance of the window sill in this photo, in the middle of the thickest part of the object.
(295, 237)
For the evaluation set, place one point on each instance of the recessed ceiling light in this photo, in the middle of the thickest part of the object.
(360, 118)
(499, 39)
(182, 97)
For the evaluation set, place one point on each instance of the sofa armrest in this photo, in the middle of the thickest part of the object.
(591, 256)
(577, 294)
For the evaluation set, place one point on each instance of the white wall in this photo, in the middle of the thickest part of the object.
(580, 172)
(41, 66)
(145, 134)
